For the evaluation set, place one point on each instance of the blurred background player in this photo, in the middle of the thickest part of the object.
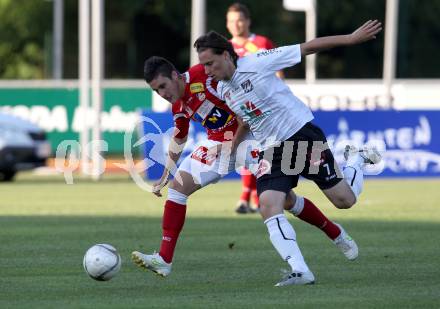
(238, 22)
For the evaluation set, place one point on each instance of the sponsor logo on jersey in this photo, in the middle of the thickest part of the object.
(196, 87)
(217, 119)
(201, 96)
(268, 52)
(250, 109)
(202, 155)
(214, 117)
(235, 89)
(203, 110)
(247, 86)
(263, 168)
(252, 114)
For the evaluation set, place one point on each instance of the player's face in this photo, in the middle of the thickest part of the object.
(167, 88)
(219, 67)
(237, 24)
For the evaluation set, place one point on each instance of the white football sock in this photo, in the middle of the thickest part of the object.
(354, 175)
(283, 238)
(177, 197)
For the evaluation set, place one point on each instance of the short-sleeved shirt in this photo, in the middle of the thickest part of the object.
(202, 103)
(264, 101)
(253, 44)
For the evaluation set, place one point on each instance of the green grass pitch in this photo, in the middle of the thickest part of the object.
(46, 226)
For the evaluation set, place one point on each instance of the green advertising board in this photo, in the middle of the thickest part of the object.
(57, 111)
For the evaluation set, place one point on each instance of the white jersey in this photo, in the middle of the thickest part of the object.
(264, 101)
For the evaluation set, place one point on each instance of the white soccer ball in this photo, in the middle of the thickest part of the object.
(102, 262)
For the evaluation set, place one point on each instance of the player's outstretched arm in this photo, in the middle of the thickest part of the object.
(364, 33)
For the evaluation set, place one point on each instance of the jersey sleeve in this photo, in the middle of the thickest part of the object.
(274, 59)
(182, 124)
(181, 121)
(196, 73)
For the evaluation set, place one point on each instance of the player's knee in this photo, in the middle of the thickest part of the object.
(265, 206)
(289, 203)
(173, 184)
(263, 203)
(184, 187)
(345, 202)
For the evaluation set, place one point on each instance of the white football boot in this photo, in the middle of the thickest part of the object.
(369, 154)
(346, 244)
(297, 278)
(153, 262)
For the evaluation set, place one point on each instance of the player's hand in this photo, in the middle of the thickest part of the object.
(366, 32)
(157, 186)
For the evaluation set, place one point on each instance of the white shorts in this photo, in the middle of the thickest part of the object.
(206, 166)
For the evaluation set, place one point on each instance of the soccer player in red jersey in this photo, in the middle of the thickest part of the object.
(194, 97)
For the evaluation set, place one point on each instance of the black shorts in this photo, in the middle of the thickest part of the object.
(306, 153)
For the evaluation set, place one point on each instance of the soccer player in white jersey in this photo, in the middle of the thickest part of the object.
(291, 144)
(194, 98)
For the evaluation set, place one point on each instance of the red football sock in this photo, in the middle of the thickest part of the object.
(253, 188)
(255, 198)
(172, 223)
(246, 179)
(311, 214)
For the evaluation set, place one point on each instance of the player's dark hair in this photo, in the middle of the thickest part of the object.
(155, 65)
(241, 8)
(217, 43)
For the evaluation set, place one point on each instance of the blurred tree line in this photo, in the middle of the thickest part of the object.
(137, 29)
